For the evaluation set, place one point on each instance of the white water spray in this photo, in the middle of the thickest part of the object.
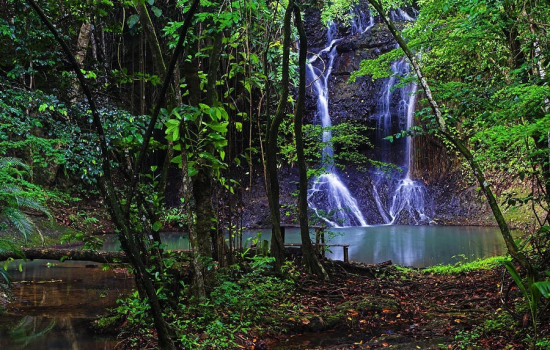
(328, 197)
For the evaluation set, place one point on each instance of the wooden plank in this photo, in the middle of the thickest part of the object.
(320, 244)
(298, 226)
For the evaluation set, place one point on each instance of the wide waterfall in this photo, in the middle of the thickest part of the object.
(396, 197)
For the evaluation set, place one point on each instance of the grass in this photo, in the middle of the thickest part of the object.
(464, 266)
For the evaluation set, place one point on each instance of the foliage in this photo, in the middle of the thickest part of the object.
(210, 134)
(532, 291)
(463, 266)
(341, 9)
(348, 139)
(502, 322)
(17, 195)
(242, 300)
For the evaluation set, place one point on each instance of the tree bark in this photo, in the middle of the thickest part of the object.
(277, 244)
(311, 260)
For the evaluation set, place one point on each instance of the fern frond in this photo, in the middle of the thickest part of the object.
(11, 189)
(6, 162)
(10, 164)
(20, 221)
(28, 203)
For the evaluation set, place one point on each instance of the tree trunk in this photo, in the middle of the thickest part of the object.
(277, 244)
(310, 256)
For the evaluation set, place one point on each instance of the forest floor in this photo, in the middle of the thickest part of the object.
(385, 306)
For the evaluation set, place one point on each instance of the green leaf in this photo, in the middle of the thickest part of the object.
(177, 159)
(219, 127)
(544, 288)
(515, 275)
(191, 171)
(176, 134)
(132, 21)
(156, 11)
(157, 226)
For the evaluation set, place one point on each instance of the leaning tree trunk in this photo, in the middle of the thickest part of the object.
(310, 256)
(277, 244)
(457, 142)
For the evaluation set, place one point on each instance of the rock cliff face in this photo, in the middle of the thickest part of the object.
(449, 199)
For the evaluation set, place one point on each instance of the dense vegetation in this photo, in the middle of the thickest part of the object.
(122, 100)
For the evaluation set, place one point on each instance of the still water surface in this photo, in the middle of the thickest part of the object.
(417, 246)
(54, 304)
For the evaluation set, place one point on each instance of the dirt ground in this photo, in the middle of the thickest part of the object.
(383, 306)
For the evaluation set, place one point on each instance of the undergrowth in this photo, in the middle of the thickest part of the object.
(243, 299)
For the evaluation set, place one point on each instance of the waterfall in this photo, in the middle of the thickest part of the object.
(397, 198)
(407, 195)
(329, 197)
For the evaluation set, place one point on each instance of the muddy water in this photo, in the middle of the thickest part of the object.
(54, 304)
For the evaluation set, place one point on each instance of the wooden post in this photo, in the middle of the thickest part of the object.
(317, 233)
(346, 253)
(283, 231)
(323, 241)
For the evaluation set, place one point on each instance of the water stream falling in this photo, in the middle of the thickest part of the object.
(396, 196)
(409, 195)
(329, 198)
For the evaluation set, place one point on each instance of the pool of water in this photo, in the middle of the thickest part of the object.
(417, 246)
(54, 304)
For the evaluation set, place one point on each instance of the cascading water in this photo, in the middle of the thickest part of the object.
(397, 197)
(329, 197)
(406, 196)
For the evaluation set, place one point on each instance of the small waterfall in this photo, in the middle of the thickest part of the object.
(408, 202)
(361, 22)
(328, 197)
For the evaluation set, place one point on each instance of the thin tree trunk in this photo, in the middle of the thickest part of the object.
(277, 244)
(202, 182)
(81, 48)
(311, 260)
(200, 240)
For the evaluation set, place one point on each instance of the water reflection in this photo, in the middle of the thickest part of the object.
(417, 246)
(54, 304)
